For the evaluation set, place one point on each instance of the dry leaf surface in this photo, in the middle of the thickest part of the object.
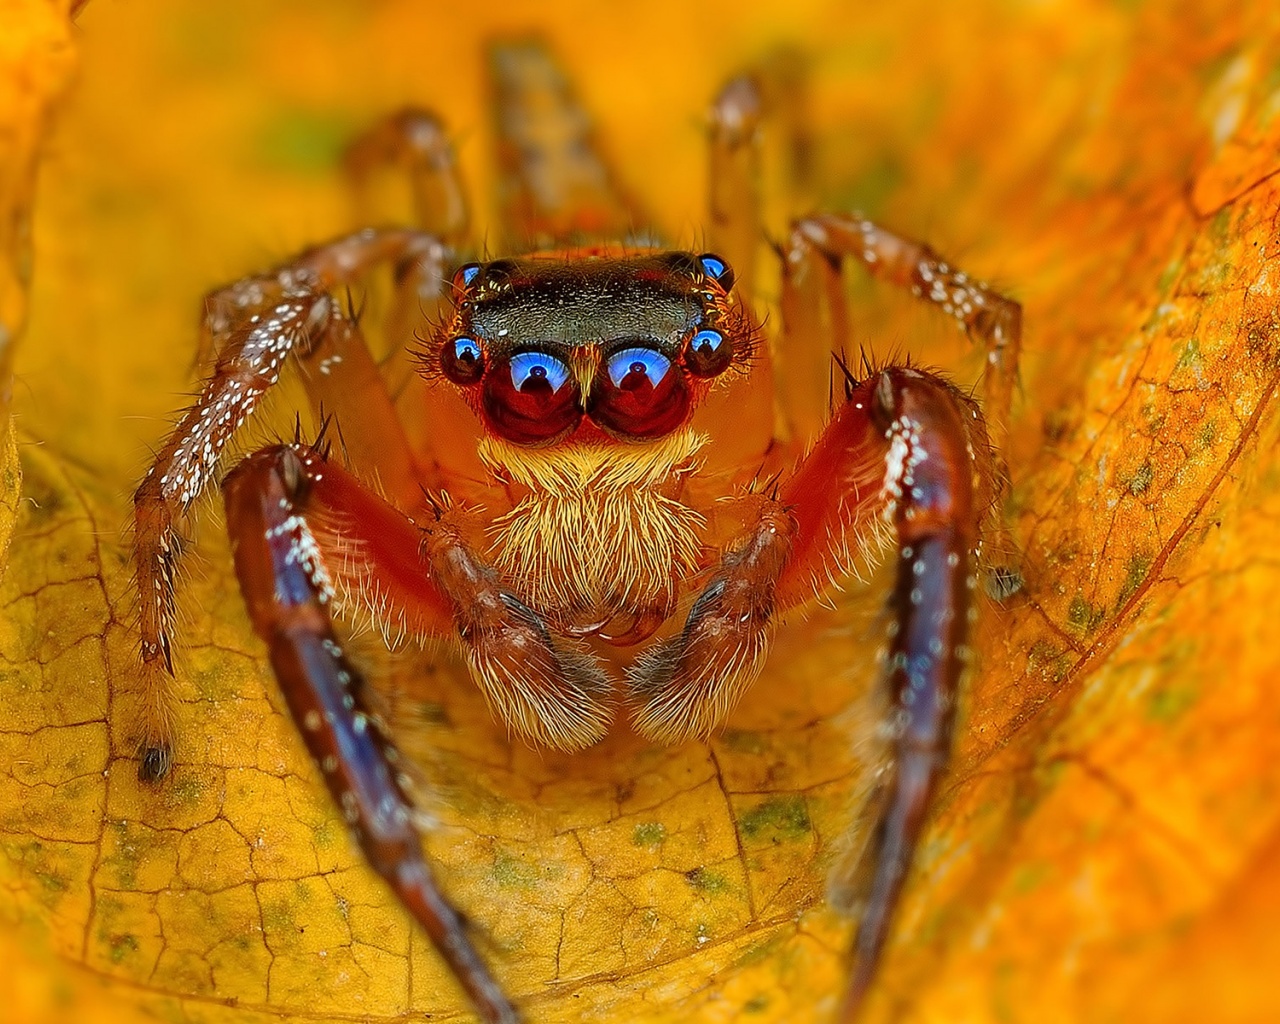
(1108, 843)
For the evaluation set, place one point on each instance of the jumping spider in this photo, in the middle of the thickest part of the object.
(589, 406)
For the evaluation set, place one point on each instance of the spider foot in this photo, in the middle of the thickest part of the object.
(155, 716)
(1003, 582)
(154, 761)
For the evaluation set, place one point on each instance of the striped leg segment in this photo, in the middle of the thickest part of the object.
(991, 318)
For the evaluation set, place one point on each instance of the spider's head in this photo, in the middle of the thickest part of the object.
(552, 346)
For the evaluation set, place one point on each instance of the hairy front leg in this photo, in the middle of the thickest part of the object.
(255, 325)
(905, 459)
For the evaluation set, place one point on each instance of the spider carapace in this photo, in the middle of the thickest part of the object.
(595, 506)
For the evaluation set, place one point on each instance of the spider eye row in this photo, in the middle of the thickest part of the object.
(532, 397)
(707, 265)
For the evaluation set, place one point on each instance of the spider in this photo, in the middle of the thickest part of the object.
(592, 503)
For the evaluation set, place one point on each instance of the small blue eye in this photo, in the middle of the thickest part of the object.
(630, 367)
(707, 343)
(464, 276)
(538, 370)
(709, 353)
(462, 360)
(718, 269)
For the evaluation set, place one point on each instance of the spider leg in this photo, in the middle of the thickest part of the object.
(556, 186)
(256, 324)
(734, 200)
(272, 498)
(685, 686)
(425, 579)
(410, 151)
(937, 470)
(413, 142)
(739, 415)
(812, 293)
(905, 456)
(987, 315)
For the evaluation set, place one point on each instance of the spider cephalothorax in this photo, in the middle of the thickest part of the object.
(586, 369)
(612, 547)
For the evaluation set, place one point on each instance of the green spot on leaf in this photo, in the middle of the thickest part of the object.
(1082, 617)
(1190, 358)
(1048, 659)
(1168, 705)
(743, 741)
(121, 946)
(1220, 228)
(649, 833)
(1135, 572)
(873, 187)
(303, 141)
(782, 818)
(1167, 277)
(1029, 877)
(713, 883)
(513, 874)
(325, 835)
(186, 791)
(1206, 435)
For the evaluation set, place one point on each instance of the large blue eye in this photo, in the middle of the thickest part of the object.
(538, 371)
(640, 395)
(632, 368)
(532, 399)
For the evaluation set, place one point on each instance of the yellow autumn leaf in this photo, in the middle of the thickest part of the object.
(1107, 844)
